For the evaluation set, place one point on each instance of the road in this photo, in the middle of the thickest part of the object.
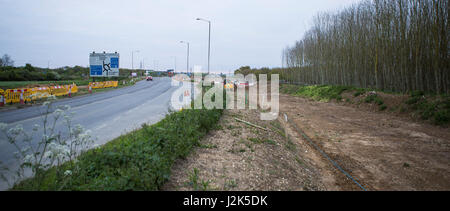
(107, 114)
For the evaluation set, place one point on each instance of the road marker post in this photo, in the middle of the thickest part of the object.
(90, 89)
(70, 91)
(21, 98)
(2, 100)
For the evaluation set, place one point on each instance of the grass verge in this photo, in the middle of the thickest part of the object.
(140, 160)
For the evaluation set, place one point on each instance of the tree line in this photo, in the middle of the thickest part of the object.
(394, 45)
(9, 72)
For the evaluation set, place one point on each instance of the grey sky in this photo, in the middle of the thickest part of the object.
(244, 32)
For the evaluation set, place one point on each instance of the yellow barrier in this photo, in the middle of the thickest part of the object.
(103, 84)
(73, 88)
(32, 94)
(106, 84)
(13, 95)
(58, 90)
(96, 85)
(40, 92)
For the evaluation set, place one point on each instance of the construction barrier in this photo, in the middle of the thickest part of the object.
(40, 92)
(18, 95)
(24, 95)
(73, 88)
(33, 94)
(96, 85)
(103, 84)
(58, 90)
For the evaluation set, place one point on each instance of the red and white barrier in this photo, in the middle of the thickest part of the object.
(2, 101)
(22, 101)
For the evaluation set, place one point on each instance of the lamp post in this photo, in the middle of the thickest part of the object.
(132, 58)
(187, 59)
(209, 39)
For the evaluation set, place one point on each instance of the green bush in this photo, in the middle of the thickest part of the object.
(438, 109)
(322, 92)
(370, 98)
(52, 75)
(442, 117)
(358, 93)
(412, 100)
(288, 89)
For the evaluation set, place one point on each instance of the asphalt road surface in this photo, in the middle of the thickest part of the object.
(107, 114)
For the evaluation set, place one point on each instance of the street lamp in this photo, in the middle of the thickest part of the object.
(209, 39)
(132, 58)
(187, 59)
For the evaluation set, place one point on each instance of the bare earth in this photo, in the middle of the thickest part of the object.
(381, 151)
(233, 162)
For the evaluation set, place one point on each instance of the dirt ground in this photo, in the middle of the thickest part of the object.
(382, 151)
(241, 157)
(379, 150)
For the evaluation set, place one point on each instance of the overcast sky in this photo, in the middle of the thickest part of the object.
(244, 32)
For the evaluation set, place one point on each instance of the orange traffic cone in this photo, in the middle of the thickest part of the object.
(21, 98)
(2, 101)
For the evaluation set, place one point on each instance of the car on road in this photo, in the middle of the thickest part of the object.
(149, 78)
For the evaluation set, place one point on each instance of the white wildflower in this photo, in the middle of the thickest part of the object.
(46, 103)
(68, 173)
(26, 149)
(45, 138)
(67, 117)
(28, 159)
(51, 97)
(58, 112)
(58, 151)
(48, 155)
(15, 131)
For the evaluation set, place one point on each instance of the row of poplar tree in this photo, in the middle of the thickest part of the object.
(396, 45)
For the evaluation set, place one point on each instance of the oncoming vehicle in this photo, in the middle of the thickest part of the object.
(149, 78)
